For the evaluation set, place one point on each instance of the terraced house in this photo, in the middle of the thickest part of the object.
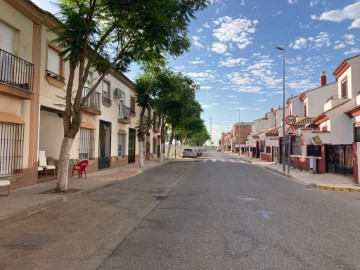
(32, 81)
(326, 135)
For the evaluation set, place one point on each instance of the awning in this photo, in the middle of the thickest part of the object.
(87, 125)
(11, 118)
(122, 132)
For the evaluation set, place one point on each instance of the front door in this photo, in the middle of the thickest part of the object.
(104, 144)
(132, 145)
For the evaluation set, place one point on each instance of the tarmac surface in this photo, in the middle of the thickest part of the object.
(27, 201)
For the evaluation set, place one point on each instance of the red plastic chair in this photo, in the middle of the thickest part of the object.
(80, 168)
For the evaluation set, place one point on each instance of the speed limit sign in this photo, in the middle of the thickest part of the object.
(290, 120)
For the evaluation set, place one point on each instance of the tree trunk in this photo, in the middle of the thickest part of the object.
(63, 167)
(141, 154)
(161, 153)
(170, 143)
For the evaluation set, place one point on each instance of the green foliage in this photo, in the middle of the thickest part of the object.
(118, 32)
(173, 96)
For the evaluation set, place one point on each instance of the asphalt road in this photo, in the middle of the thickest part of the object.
(227, 214)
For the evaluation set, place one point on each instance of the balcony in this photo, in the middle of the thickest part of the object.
(106, 101)
(92, 105)
(16, 76)
(333, 101)
(55, 79)
(124, 115)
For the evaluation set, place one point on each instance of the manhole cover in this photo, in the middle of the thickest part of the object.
(30, 242)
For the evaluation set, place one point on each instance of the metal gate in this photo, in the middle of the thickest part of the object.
(132, 145)
(339, 159)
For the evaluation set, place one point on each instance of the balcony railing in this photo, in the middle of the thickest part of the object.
(16, 72)
(106, 100)
(94, 100)
(124, 114)
(336, 97)
(55, 76)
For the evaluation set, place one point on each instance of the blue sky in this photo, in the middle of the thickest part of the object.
(234, 60)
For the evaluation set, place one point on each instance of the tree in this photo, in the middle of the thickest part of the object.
(108, 35)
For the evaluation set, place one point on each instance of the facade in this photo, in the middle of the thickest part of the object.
(325, 138)
(32, 81)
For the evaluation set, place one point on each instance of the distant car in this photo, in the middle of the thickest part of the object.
(218, 149)
(189, 152)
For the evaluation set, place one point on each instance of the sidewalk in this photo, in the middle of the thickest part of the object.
(29, 200)
(327, 181)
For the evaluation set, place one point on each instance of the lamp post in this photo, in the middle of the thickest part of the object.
(239, 133)
(282, 49)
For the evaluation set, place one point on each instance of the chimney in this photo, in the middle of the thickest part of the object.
(323, 79)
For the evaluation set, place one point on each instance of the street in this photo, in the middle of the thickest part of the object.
(213, 212)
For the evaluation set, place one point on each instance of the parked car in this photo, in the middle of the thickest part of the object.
(189, 152)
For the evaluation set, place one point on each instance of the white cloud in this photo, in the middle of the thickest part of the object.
(299, 43)
(231, 62)
(352, 51)
(319, 41)
(219, 47)
(196, 61)
(196, 42)
(350, 12)
(302, 85)
(206, 87)
(236, 31)
(292, 1)
(346, 40)
(313, 3)
(201, 76)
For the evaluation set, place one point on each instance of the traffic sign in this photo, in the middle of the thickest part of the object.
(290, 120)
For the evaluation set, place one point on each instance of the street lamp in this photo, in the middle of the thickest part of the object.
(239, 133)
(282, 49)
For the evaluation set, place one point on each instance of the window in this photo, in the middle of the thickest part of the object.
(344, 93)
(305, 109)
(106, 92)
(11, 148)
(121, 103)
(132, 105)
(357, 134)
(121, 145)
(296, 146)
(8, 38)
(54, 61)
(86, 148)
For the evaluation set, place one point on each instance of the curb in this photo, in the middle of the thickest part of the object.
(336, 188)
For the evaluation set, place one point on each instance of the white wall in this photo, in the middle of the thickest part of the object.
(51, 134)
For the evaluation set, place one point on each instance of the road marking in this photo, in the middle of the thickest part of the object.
(264, 214)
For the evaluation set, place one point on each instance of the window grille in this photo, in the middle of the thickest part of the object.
(11, 148)
(296, 146)
(121, 145)
(86, 149)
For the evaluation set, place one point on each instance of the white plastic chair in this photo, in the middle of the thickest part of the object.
(43, 162)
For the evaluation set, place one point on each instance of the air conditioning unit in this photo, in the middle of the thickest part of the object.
(118, 93)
